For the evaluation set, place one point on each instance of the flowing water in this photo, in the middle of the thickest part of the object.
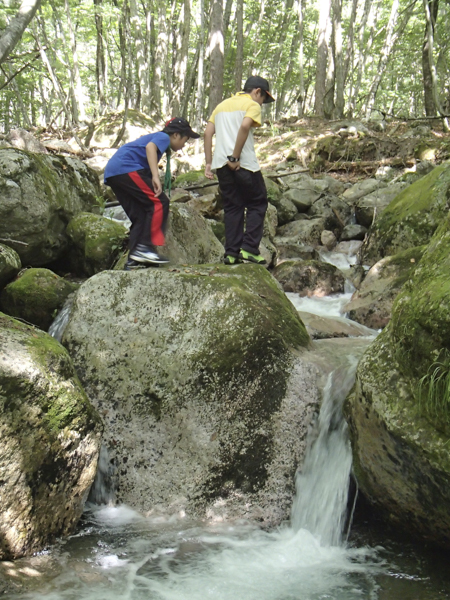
(118, 554)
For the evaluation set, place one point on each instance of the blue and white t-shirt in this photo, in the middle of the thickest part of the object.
(132, 156)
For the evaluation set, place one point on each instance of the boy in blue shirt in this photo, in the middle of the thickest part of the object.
(133, 175)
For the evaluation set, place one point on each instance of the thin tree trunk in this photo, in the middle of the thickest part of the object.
(215, 52)
(434, 82)
(128, 72)
(301, 59)
(239, 67)
(385, 53)
(56, 85)
(100, 64)
(160, 59)
(12, 33)
(25, 117)
(181, 56)
(339, 68)
(427, 60)
(322, 57)
(141, 62)
(200, 86)
(363, 52)
(75, 66)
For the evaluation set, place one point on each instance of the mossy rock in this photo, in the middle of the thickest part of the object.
(199, 353)
(36, 296)
(273, 191)
(96, 243)
(411, 218)
(49, 440)
(309, 277)
(399, 411)
(218, 228)
(10, 264)
(421, 313)
(190, 178)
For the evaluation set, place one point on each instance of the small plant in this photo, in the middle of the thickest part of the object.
(100, 201)
(434, 391)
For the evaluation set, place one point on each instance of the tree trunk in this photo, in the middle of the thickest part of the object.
(338, 60)
(323, 42)
(100, 64)
(385, 53)
(76, 69)
(12, 33)
(141, 60)
(427, 60)
(160, 59)
(301, 58)
(215, 52)
(200, 70)
(239, 67)
(363, 52)
(181, 49)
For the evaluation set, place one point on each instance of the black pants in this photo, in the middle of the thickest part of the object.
(241, 190)
(148, 213)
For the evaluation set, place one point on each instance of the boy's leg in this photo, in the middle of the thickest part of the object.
(147, 212)
(234, 210)
(256, 202)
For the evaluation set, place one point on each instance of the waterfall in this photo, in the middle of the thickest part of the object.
(103, 488)
(58, 326)
(320, 505)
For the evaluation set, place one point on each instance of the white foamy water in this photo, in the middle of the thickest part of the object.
(59, 324)
(328, 306)
(320, 505)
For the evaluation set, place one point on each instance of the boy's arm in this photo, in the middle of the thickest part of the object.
(152, 158)
(244, 129)
(210, 130)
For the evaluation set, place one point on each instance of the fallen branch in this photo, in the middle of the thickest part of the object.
(369, 164)
(8, 240)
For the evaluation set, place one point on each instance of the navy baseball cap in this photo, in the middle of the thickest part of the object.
(259, 82)
(180, 125)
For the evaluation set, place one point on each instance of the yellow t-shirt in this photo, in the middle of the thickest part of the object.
(227, 118)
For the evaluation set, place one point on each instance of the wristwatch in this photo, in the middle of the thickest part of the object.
(233, 159)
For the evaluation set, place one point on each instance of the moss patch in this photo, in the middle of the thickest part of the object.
(36, 296)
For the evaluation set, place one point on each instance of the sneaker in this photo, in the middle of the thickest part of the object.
(132, 265)
(231, 260)
(147, 254)
(254, 258)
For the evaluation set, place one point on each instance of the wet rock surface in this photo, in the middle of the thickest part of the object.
(49, 441)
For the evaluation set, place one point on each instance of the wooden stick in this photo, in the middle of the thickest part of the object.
(6, 240)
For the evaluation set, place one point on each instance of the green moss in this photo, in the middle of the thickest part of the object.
(36, 295)
(273, 191)
(57, 390)
(190, 178)
(97, 243)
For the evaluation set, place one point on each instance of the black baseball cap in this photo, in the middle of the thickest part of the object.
(180, 125)
(259, 82)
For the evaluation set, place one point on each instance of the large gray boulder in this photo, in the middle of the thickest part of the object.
(201, 378)
(9, 264)
(39, 194)
(49, 441)
(398, 412)
(371, 304)
(190, 238)
(411, 218)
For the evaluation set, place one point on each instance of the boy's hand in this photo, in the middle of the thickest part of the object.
(234, 166)
(157, 187)
(208, 173)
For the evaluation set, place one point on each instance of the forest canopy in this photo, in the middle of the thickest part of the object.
(77, 60)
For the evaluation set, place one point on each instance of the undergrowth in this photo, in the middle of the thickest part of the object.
(434, 391)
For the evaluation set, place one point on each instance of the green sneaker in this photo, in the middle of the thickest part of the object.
(254, 258)
(231, 260)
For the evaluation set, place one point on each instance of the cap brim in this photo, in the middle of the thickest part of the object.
(193, 135)
(269, 98)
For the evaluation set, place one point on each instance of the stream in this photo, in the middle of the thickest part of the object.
(322, 553)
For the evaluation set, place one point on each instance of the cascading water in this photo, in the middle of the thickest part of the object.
(320, 505)
(59, 324)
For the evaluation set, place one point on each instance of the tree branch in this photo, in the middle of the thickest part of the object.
(14, 30)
